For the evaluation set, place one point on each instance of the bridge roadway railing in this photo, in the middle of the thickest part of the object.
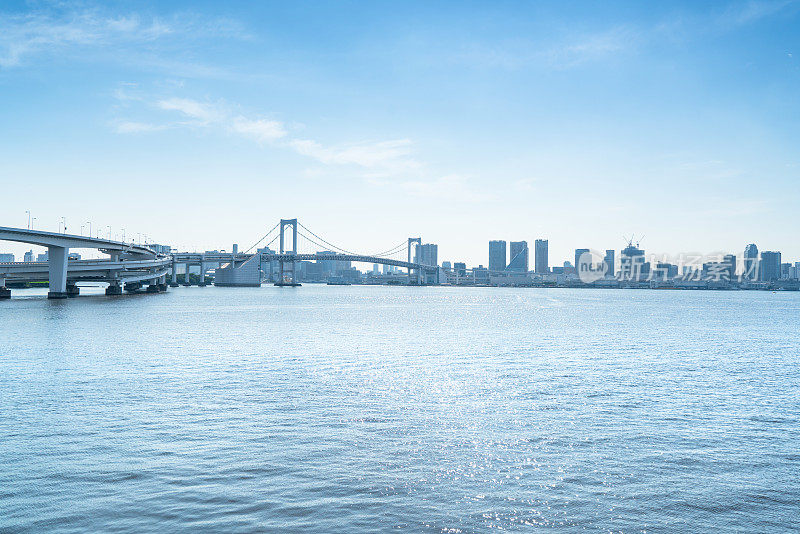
(346, 257)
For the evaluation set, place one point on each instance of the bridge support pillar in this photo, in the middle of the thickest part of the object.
(131, 287)
(114, 289)
(202, 282)
(174, 280)
(186, 280)
(57, 265)
(5, 293)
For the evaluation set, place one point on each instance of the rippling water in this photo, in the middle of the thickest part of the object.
(363, 409)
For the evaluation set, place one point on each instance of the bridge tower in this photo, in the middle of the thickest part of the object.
(411, 242)
(285, 279)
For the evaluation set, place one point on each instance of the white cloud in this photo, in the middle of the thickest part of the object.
(201, 111)
(262, 130)
(593, 47)
(380, 158)
(25, 35)
(394, 154)
(65, 30)
(136, 127)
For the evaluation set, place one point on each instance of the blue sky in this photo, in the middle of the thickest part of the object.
(200, 124)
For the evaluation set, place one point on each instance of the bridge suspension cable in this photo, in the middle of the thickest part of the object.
(393, 250)
(340, 249)
(301, 234)
(263, 238)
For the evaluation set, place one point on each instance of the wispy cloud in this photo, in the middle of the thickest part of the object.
(136, 127)
(750, 12)
(592, 47)
(66, 30)
(389, 164)
(380, 158)
(394, 154)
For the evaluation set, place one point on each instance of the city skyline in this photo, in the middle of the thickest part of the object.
(457, 122)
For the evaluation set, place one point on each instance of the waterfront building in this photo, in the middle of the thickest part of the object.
(632, 264)
(28, 258)
(447, 266)
(750, 263)
(427, 254)
(6, 258)
(770, 266)
(333, 267)
(578, 253)
(460, 268)
(497, 256)
(518, 259)
(730, 261)
(665, 271)
(42, 257)
(786, 271)
(480, 275)
(540, 254)
(610, 265)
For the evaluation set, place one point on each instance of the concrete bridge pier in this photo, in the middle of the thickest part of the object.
(186, 279)
(202, 274)
(5, 293)
(57, 265)
(114, 288)
(162, 282)
(174, 280)
(132, 287)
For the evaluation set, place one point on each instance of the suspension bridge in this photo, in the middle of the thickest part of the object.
(291, 236)
(138, 265)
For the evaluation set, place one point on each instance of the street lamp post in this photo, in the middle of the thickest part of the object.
(29, 218)
(90, 227)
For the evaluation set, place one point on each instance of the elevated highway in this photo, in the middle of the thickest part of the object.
(127, 263)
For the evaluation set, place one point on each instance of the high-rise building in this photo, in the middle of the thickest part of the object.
(786, 271)
(28, 257)
(447, 266)
(632, 264)
(541, 261)
(518, 257)
(6, 258)
(750, 263)
(460, 268)
(43, 257)
(333, 267)
(497, 256)
(609, 261)
(578, 253)
(770, 266)
(427, 254)
(730, 261)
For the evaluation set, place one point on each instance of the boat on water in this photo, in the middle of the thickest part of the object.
(287, 282)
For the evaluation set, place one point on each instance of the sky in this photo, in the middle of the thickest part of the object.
(201, 124)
